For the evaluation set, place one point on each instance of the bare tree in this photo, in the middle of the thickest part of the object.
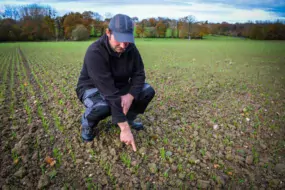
(190, 19)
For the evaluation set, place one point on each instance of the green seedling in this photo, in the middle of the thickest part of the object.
(179, 167)
(165, 174)
(15, 157)
(191, 176)
(90, 184)
(165, 140)
(92, 152)
(52, 174)
(203, 151)
(58, 156)
(162, 153)
(126, 159)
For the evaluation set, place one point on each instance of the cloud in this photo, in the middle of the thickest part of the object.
(211, 10)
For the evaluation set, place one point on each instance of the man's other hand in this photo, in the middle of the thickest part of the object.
(126, 135)
(126, 102)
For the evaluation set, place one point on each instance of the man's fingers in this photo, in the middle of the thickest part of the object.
(134, 146)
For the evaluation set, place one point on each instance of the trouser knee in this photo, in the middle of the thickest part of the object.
(95, 114)
(147, 93)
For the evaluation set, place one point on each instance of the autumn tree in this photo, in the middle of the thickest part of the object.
(70, 22)
(160, 29)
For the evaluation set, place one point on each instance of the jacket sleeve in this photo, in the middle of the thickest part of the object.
(99, 72)
(138, 76)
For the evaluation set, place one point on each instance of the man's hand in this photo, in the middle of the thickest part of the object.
(126, 102)
(126, 135)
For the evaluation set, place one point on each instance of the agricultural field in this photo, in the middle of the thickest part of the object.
(217, 120)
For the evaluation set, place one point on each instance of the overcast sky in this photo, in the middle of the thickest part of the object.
(211, 10)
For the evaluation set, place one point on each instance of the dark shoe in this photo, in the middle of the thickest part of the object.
(87, 134)
(136, 125)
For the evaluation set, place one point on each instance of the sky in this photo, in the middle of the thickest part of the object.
(212, 10)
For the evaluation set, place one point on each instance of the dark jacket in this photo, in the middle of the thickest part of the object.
(111, 72)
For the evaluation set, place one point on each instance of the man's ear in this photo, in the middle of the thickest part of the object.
(108, 33)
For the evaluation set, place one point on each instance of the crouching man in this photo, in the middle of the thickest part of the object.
(112, 82)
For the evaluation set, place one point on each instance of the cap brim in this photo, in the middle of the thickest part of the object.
(124, 37)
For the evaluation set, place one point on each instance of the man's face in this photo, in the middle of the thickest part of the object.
(118, 47)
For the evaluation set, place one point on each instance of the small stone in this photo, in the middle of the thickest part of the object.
(178, 183)
(158, 131)
(274, 183)
(118, 143)
(152, 168)
(168, 153)
(79, 161)
(229, 157)
(197, 161)
(181, 176)
(104, 180)
(229, 149)
(173, 167)
(170, 160)
(208, 155)
(247, 119)
(195, 133)
(221, 180)
(142, 150)
(5, 187)
(239, 159)
(263, 146)
(203, 184)
(25, 181)
(249, 159)
(113, 152)
(43, 182)
(134, 163)
(216, 127)
(20, 173)
(280, 168)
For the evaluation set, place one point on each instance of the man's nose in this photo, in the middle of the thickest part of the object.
(124, 45)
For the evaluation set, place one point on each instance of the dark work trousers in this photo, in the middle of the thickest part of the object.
(97, 108)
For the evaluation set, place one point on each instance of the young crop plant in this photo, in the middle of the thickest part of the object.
(28, 111)
(58, 156)
(90, 184)
(162, 153)
(15, 157)
(126, 159)
(165, 174)
(45, 123)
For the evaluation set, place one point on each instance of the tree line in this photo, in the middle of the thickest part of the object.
(41, 22)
